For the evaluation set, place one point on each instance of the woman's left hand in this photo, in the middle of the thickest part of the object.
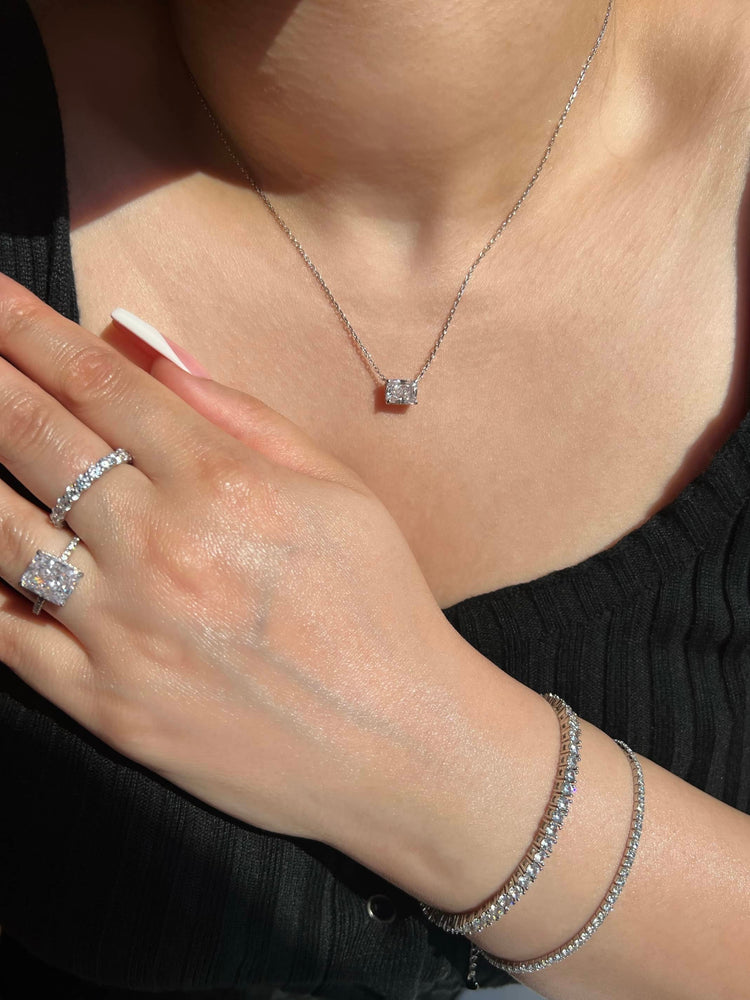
(251, 623)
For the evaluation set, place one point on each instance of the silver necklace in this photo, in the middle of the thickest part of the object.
(402, 391)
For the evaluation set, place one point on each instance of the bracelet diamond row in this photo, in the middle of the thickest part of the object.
(605, 907)
(526, 872)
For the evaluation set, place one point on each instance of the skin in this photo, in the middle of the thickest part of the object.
(647, 191)
(657, 134)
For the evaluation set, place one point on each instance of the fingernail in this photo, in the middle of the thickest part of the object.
(167, 348)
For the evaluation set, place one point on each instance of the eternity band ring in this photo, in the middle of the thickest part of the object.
(51, 578)
(84, 482)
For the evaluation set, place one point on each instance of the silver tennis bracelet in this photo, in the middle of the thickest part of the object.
(526, 872)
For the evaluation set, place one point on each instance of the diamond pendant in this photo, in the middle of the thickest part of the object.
(401, 392)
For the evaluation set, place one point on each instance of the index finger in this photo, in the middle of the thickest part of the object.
(109, 394)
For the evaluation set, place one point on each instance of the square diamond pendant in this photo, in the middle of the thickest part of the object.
(50, 578)
(401, 391)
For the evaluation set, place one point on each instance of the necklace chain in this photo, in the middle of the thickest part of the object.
(480, 256)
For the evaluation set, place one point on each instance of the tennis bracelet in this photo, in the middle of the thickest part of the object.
(479, 918)
(541, 846)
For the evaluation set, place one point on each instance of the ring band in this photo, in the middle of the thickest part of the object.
(87, 479)
(51, 578)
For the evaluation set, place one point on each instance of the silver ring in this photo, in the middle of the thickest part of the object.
(51, 578)
(86, 479)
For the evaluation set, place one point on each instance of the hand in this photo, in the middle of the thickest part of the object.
(251, 624)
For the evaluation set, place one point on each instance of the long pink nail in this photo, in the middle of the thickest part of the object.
(161, 344)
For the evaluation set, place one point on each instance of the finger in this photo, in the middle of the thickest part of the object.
(112, 396)
(45, 447)
(42, 652)
(151, 340)
(256, 424)
(245, 417)
(25, 531)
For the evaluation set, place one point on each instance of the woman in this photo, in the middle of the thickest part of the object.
(289, 716)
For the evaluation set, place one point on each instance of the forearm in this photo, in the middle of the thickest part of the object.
(681, 926)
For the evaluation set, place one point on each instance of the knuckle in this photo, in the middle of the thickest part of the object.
(251, 507)
(26, 420)
(223, 484)
(180, 563)
(89, 373)
(231, 485)
(12, 646)
(207, 464)
(198, 556)
(19, 314)
(16, 542)
(14, 639)
(270, 502)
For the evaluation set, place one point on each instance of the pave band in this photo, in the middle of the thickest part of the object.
(51, 578)
(605, 907)
(541, 846)
(84, 482)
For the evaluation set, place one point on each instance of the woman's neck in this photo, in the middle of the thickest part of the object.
(397, 110)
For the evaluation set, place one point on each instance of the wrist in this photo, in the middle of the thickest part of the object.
(465, 815)
(464, 810)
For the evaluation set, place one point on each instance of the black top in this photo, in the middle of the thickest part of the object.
(112, 876)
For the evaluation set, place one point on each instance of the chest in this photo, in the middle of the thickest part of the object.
(592, 369)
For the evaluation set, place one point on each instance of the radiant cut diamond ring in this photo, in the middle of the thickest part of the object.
(51, 578)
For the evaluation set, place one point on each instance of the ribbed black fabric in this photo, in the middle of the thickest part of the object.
(115, 882)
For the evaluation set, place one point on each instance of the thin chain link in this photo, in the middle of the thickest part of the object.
(480, 256)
